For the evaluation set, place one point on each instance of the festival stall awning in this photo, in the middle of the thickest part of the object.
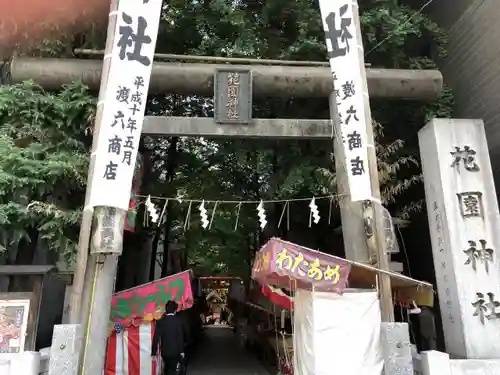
(292, 266)
(147, 302)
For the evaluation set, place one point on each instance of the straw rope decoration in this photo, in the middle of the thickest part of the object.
(157, 215)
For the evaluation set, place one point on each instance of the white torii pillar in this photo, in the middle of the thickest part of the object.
(465, 232)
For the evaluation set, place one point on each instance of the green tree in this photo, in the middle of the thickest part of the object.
(43, 166)
(390, 161)
(395, 35)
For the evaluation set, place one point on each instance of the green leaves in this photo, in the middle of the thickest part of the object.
(44, 137)
(43, 163)
(262, 169)
(399, 36)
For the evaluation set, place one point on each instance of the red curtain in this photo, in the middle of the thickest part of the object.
(277, 297)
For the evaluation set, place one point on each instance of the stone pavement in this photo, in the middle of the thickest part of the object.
(221, 354)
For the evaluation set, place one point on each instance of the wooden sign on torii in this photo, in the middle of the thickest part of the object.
(233, 115)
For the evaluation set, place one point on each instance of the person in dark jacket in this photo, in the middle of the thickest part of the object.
(423, 327)
(170, 338)
(184, 318)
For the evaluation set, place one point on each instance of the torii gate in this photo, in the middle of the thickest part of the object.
(187, 75)
(271, 80)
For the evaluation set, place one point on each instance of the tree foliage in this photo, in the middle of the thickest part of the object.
(395, 36)
(44, 161)
(391, 162)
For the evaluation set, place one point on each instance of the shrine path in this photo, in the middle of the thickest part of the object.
(220, 353)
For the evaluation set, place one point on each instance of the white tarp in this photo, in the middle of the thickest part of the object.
(337, 334)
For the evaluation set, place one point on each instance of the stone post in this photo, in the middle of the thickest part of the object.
(396, 349)
(465, 233)
(65, 350)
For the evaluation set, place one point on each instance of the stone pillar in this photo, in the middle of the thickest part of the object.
(465, 232)
(396, 349)
(65, 350)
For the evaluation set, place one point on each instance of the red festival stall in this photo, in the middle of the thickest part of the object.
(132, 323)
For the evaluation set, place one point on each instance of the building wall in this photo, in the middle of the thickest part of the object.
(448, 12)
(472, 67)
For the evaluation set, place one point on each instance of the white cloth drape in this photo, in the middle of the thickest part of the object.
(337, 334)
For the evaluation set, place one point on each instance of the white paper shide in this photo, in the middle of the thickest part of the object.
(125, 102)
(344, 49)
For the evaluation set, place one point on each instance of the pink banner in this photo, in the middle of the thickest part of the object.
(151, 298)
(291, 266)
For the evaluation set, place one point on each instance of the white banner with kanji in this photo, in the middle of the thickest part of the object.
(125, 102)
(345, 48)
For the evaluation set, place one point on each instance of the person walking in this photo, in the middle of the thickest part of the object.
(170, 339)
(185, 319)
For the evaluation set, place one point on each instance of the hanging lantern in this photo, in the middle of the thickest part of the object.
(108, 234)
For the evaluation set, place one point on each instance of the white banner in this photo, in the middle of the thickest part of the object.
(344, 49)
(125, 102)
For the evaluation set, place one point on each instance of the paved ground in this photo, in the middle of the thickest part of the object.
(221, 354)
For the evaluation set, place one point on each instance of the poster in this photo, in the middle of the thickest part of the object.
(345, 51)
(13, 323)
(291, 266)
(149, 299)
(125, 102)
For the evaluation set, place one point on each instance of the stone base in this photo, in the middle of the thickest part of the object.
(396, 349)
(20, 363)
(438, 363)
(65, 351)
(474, 367)
(435, 363)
